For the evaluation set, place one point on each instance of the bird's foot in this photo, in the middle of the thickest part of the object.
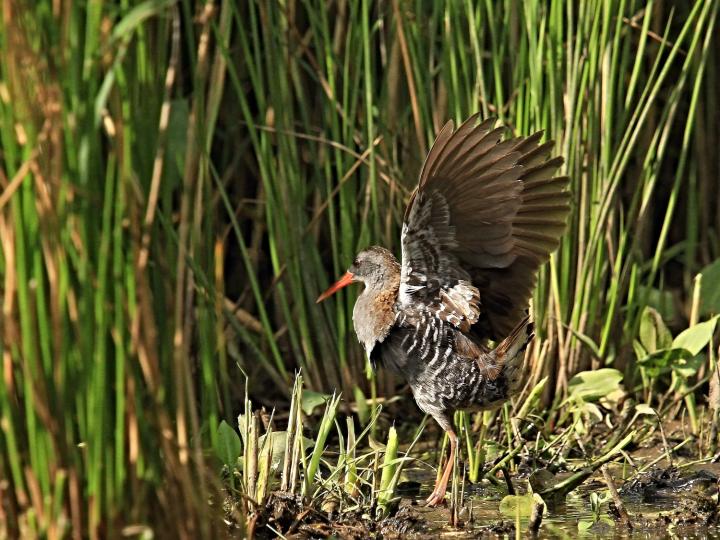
(436, 498)
(438, 494)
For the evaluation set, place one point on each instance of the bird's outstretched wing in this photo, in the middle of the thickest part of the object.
(487, 212)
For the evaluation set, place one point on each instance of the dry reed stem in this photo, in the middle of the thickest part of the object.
(622, 512)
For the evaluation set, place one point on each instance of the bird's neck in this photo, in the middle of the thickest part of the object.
(374, 311)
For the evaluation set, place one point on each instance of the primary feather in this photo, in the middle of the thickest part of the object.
(486, 214)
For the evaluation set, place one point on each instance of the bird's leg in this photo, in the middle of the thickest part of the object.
(438, 494)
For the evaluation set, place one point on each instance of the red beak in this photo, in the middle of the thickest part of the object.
(344, 281)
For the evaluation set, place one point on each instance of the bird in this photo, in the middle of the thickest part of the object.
(488, 211)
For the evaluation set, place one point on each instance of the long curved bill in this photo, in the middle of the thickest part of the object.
(344, 281)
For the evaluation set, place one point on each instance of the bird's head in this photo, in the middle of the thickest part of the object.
(375, 266)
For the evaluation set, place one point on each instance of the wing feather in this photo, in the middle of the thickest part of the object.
(487, 213)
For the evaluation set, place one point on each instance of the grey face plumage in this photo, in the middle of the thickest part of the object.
(374, 265)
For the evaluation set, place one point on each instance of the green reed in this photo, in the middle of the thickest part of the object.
(180, 180)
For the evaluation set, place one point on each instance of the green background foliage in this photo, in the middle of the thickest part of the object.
(180, 180)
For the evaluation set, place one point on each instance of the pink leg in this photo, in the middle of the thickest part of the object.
(438, 494)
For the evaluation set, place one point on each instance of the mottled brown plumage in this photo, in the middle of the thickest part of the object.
(486, 214)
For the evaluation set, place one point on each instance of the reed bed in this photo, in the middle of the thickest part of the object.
(179, 180)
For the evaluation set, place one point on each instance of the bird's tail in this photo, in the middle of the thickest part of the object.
(511, 353)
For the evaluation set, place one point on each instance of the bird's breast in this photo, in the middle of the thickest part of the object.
(374, 316)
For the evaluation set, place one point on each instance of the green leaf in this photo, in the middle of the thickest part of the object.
(228, 446)
(602, 526)
(139, 14)
(661, 360)
(511, 505)
(311, 400)
(648, 334)
(587, 341)
(386, 490)
(688, 367)
(710, 295)
(654, 334)
(362, 406)
(642, 408)
(640, 351)
(590, 385)
(695, 338)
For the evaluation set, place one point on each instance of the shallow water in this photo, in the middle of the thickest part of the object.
(483, 502)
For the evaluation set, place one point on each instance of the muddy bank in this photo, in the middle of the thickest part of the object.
(663, 502)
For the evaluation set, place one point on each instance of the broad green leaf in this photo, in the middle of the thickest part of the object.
(590, 385)
(600, 527)
(662, 360)
(664, 337)
(512, 505)
(688, 367)
(311, 400)
(710, 295)
(648, 334)
(613, 398)
(654, 334)
(695, 338)
(228, 446)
